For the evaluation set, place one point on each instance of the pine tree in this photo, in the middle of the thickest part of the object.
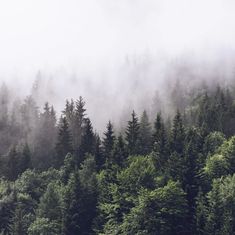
(46, 134)
(72, 205)
(25, 162)
(99, 156)
(12, 164)
(119, 154)
(87, 141)
(177, 135)
(160, 143)
(80, 113)
(64, 145)
(145, 135)
(132, 135)
(108, 141)
(190, 172)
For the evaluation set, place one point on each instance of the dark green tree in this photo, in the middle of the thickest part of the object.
(64, 144)
(160, 142)
(72, 204)
(87, 142)
(132, 135)
(177, 135)
(145, 135)
(108, 142)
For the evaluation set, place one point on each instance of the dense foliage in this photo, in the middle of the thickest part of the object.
(163, 178)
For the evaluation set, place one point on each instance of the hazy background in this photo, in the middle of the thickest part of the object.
(115, 53)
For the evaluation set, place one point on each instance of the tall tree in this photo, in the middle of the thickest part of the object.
(108, 141)
(46, 134)
(160, 143)
(145, 134)
(72, 205)
(64, 144)
(132, 134)
(177, 134)
(119, 153)
(80, 114)
(87, 141)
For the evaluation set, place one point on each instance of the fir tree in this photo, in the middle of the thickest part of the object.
(132, 135)
(177, 135)
(145, 135)
(87, 142)
(108, 141)
(64, 145)
(160, 143)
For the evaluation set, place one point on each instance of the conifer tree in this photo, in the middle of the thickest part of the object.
(132, 134)
(80, 113)
(160, 143)
(87, 141)
(46, 134)
(177, 135)
(64, 145)
(12, 163)
(119, 154)
(99, 156)
(145, 135)
(26, 162)
(108, 141)
(72, 205)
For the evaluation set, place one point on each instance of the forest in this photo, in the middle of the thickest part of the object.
(175, 176)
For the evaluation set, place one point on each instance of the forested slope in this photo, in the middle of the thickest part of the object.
(171, 177)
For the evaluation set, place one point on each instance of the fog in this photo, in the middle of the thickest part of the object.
(116, 54)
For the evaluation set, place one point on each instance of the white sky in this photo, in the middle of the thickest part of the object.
(49, 34)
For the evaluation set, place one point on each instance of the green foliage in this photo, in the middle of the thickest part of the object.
(216, 166)
(161, 211)
(212, 142)
(177, 179)
(221, 207)
(43, 226)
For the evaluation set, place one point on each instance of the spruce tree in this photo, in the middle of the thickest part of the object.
(70, 225)
(12, 164)
(64, 145)
(119, 153)
(177, 135)
(132, 135)
(108, 142)
(26, 158)
(145, 135)
(87, 141)
(160, 143)
(80, 113)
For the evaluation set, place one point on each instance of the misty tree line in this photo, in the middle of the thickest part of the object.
(168, 177)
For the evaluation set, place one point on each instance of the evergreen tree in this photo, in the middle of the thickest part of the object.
(80, 113)
(71, 218)
(160, 143)
(64, 145)
(87, 142)
(190, 178)
(25, 161)
(119, 154)
(99, 156)
(177, 135)
(12, 164)
(46, 134)
(108, 142)
(145, 135)
(132, 135)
